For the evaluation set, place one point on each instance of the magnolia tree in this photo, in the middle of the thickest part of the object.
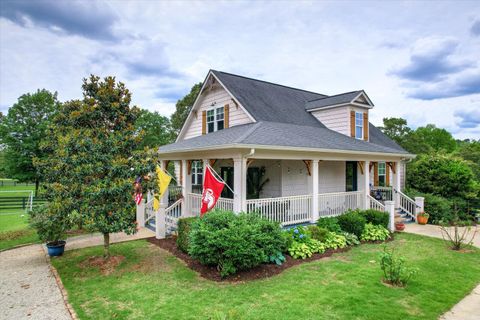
(94, 159)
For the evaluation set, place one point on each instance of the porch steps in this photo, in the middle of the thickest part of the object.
(402, 216)
(151, 225)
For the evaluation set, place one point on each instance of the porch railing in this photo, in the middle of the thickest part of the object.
(336, 203)
(286, 210)
(149, 212)
(172, 214)
(382, 193)
(407, 204)
(375, 204)
(194, 202)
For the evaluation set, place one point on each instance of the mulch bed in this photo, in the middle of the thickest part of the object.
(260, 272)
(106, 266)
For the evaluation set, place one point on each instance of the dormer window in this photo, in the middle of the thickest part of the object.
(215, 119)
(359, 125)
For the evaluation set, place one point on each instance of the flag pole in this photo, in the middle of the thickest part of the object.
(220, 178)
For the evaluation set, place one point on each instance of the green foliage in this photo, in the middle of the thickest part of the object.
(183, 107)
(335, 241)
(50, 224)
(396, 129)
(93, 161)
(395, 272)
(329, 223)
(351, 239)
(184, 227)
(375, 233)
(317, 233)
(156, 129)
(430, 139)
(352, 222)
(21, 132)
(299, 250)
(278, 258)
(298, 234)
(442, 175)
(316, 246)
(470, 152)
(376, 217)
(234, 242)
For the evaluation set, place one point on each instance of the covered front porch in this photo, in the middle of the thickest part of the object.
(288, 187)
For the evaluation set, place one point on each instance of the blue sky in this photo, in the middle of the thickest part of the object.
(417, 60)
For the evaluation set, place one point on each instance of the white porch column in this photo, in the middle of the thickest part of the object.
(390, 208)
(160, 227)
(186, 189)
(239, 185)
(366, 183)
(314, 172)
(141, 214)
(396, 184)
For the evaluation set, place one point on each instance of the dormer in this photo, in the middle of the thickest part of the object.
(346, 113)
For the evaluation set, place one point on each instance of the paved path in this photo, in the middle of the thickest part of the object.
(28, 287)
(469, 307)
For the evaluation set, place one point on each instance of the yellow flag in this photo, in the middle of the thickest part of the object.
(163, 182)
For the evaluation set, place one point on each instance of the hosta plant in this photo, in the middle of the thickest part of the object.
(278, 258)
(352, 240)
(375, 233)
(300, 250)
(335, 241)
(316, 246)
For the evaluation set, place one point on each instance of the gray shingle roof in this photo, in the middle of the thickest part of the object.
(332, 100)
(281, 134)
(267, 101)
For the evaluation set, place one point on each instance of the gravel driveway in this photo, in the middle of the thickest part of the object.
(28, 289)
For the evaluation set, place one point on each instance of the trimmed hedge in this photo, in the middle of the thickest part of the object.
(375, 217)
(234, 242)
(318, 233)
(352, 222)
(329, 223)
(184, 227)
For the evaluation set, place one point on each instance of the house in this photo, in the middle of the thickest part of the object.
(291, 155)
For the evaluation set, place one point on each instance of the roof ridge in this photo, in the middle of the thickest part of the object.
(336, 95)
(269, 82)
(248, 132)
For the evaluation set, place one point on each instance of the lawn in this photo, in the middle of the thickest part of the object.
(152, 284)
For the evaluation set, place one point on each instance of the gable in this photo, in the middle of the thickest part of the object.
(212, 97)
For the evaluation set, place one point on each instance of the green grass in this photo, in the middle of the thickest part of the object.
(20, 190)
(152, 284)
(14, 231)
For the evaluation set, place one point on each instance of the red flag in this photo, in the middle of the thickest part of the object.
(138, 198)
(212, 188)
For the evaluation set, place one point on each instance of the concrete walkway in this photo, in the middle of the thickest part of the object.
(469, 307)
(29, 289)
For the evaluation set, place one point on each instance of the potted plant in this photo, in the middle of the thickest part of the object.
(399, 226)
(422, 218)
(51, 227)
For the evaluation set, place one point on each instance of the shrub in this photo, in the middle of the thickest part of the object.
(317, 233)
(330, 223)
(316, 246)
(376, 217)
(374, 233)
(184, 227)
(394, 270)
(298, 234)
(299, 250)
(234, 242)
(352, 222)
(335, 241)
(439, 208)
(51, 225)
(352, 240)
(278, 258)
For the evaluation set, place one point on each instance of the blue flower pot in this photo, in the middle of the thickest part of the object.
(56, 249)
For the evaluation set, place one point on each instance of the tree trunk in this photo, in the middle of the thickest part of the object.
(106, 245)
(37, 183)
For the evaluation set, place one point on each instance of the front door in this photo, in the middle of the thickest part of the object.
(351, 176)
(227, 176)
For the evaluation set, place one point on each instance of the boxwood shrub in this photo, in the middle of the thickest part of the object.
(234, 242)
(184, 227)
(352, 222)
(375, 217)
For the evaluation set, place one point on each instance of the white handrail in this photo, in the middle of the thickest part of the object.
(407, 204)
(149, 211)
(375, 204)
(175, 210)
(194, 202)
(336, 203)
(286, 210)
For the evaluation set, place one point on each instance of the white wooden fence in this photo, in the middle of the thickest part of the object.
(286, 210)
(336, 203)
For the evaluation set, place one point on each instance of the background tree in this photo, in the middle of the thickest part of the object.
(157, 130)
(21, 132)
(396, 129)
(470, 151)
(183, 107)
(93, 160)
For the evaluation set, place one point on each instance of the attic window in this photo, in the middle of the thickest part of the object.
(359, 125)
(215, 119)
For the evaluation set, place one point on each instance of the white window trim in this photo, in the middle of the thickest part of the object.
(384, 174)
(215, 120)
(359, 126)
(197, 170)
